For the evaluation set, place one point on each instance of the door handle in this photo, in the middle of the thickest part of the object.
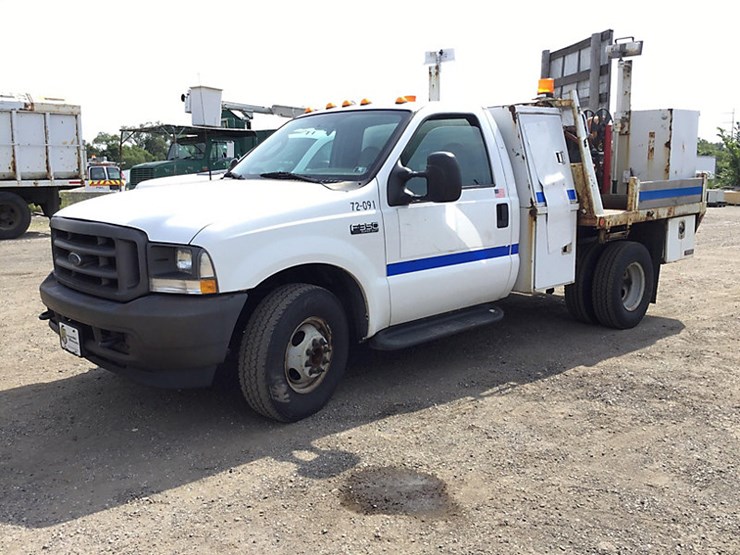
(502, 215)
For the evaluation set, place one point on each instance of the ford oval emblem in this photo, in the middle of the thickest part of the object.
(74, 258)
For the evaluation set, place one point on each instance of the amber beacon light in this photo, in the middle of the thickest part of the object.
(546, 86)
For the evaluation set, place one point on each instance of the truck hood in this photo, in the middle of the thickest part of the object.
(199, 177)
(149, 165)
(178, 214)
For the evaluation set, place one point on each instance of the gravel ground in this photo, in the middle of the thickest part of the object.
(537, 435)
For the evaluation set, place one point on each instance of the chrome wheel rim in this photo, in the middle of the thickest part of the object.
(633, 286)
(308, 355)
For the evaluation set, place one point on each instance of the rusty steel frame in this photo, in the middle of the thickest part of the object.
(615, 223)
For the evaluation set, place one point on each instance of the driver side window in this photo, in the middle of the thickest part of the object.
(459, 135)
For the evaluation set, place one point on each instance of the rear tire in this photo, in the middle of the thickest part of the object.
(15, 216)
(579, 295)
(623, 285)
(294, 352)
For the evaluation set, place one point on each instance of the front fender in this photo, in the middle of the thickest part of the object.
(244, 261)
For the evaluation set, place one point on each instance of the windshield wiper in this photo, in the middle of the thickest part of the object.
(291, 175)
(233, 175)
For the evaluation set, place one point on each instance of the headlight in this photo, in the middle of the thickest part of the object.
(185, 260)
(177, 269)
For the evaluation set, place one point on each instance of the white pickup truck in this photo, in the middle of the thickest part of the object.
(393, 225)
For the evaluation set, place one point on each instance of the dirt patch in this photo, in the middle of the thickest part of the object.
(396, 491)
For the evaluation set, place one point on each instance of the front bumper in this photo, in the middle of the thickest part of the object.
(162, 340)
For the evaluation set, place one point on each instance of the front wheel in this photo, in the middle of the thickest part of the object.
(293, 352)
(623, 285)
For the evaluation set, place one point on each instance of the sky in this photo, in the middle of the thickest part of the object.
(127, 63)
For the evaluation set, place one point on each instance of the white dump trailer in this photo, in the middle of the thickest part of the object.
(41, 153)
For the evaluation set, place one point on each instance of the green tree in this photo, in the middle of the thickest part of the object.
(104, 146)
(705, 148)
(147, 147)
(133, 155)
(157, 144)
(728, 163)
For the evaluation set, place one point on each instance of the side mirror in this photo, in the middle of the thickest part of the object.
(233, 163)
(444, 180)
(442, 174)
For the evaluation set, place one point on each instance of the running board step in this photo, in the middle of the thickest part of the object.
(435, 327)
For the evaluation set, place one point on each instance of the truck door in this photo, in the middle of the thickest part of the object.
(445, 256)
(221, 154)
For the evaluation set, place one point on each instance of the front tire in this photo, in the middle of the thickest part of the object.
(293, 352)
(623, 285)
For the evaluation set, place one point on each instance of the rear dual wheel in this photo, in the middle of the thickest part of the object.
(579, 294)
(15, 217)
(623, 285)
(613, 285)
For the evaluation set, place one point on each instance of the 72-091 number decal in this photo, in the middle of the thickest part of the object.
(363, 205)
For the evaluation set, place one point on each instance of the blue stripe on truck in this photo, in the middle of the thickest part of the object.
(670, 193)
(541, 196)
(409, 266)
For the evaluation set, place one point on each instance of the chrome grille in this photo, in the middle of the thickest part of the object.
(99, 259)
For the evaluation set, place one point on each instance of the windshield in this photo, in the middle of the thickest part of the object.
(180, 151)
(114, 172)
(98, 173)
(325, 147)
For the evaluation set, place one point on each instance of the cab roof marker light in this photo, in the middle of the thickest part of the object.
(348, 103)
(308, 110)
(365, 102)
(330, 105)
(405, 99)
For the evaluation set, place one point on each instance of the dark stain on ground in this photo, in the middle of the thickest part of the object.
(396, 491)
